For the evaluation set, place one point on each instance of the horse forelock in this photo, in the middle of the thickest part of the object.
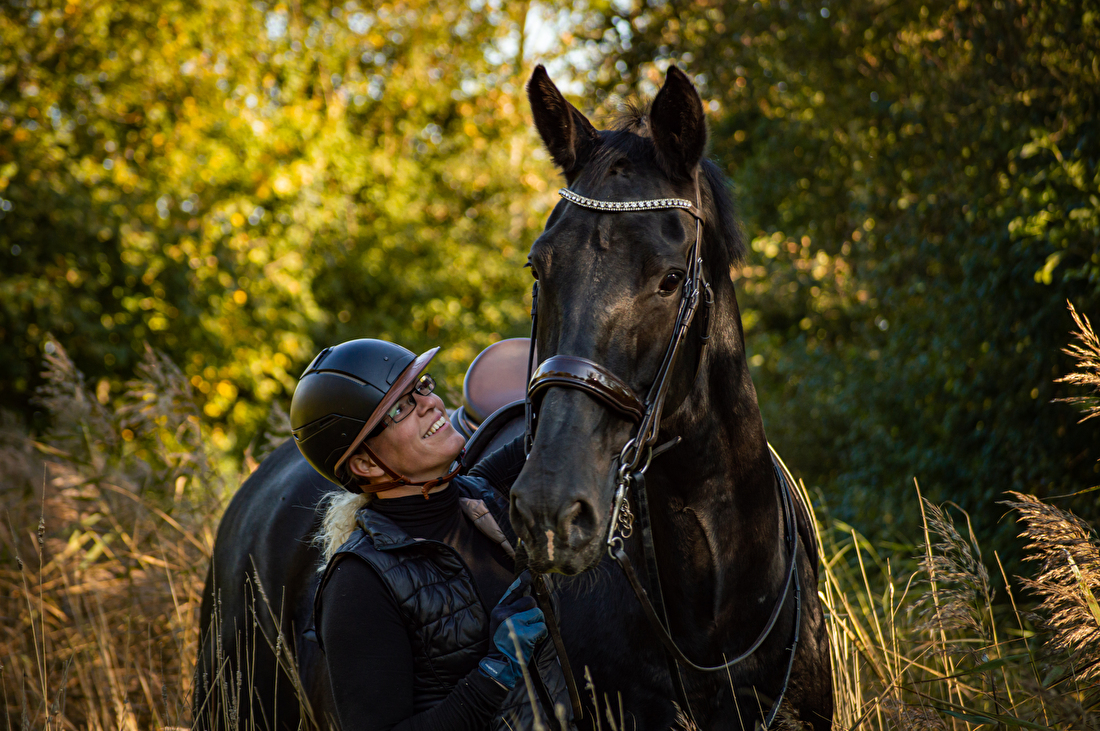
(633, 116)
(628, 139)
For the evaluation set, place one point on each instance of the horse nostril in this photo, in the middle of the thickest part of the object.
(570, 515)
(522, 520)
(577, 521)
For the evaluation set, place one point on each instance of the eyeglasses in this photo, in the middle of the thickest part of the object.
(407, 403)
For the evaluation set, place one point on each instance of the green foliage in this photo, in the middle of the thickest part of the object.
(920, 183)
(240, 184)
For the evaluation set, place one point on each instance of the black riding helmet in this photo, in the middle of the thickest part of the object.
(343, 395)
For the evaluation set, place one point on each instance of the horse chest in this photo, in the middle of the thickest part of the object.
(609, 638)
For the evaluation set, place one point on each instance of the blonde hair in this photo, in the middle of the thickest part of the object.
(338, 523)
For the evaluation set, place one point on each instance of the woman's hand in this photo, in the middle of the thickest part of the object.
(516, 626)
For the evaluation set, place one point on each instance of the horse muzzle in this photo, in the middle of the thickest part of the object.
(561, 500)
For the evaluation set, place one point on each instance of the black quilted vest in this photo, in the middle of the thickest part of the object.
(447, 621)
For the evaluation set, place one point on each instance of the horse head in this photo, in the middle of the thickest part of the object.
(610, 286)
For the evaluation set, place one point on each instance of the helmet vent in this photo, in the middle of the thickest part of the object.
(306, 431)
(341, 374)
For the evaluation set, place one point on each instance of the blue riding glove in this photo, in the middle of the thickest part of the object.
(516, 626)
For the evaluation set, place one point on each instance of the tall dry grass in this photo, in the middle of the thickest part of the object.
(920, 640)
(110, 519)
(108, 526)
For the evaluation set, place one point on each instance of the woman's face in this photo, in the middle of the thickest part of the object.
(408, 448)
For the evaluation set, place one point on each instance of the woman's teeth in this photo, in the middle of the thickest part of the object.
(435, 427)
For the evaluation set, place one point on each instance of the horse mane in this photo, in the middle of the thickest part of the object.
(628, 138)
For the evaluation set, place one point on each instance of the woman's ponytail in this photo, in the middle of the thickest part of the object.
(339, 508)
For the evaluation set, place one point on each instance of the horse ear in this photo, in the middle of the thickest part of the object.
(678, 125)
(568, 135)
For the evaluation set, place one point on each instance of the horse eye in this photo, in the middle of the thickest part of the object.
(671, 282)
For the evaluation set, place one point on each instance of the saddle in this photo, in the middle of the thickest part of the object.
(493, 392)
(496, 378)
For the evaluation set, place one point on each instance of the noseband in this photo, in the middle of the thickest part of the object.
(570, 371)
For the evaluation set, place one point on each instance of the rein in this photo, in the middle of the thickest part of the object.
(570, 371)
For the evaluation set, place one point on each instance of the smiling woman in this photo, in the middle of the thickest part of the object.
(420, 621)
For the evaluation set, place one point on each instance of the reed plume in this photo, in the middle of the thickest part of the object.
(1067, 584)
(1086, 351)
(959, 591)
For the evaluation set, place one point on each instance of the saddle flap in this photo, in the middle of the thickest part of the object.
(478, 514)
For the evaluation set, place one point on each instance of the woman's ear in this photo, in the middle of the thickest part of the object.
(361, 465)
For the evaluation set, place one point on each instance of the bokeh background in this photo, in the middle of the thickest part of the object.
(238, 184)
(197, 196)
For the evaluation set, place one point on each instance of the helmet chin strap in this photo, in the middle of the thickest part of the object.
(398, 480)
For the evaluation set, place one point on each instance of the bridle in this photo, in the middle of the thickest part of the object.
(575, 372)
(570, 371)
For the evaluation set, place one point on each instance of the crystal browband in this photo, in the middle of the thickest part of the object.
(620, 206)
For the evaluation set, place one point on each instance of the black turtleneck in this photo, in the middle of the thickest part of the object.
(366, 642)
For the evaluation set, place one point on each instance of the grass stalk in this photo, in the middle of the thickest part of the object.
(1032, 663)
(949, 669)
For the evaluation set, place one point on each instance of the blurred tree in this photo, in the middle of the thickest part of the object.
(241, 183)
(920, 182)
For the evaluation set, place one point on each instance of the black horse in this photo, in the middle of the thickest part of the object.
(609, 286)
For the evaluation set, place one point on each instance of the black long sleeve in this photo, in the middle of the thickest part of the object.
(370, 662)
(502, 467)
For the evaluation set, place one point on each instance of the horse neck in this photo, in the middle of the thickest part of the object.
(716, 517)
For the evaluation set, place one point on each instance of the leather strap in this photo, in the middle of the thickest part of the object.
(528, 406)
(573, 371)
(651, 614)
(650, 424)
(655, 615)
(398, 480)
(658, 594)
(542, 598)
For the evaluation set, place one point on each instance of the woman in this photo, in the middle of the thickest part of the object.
(421, 622)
